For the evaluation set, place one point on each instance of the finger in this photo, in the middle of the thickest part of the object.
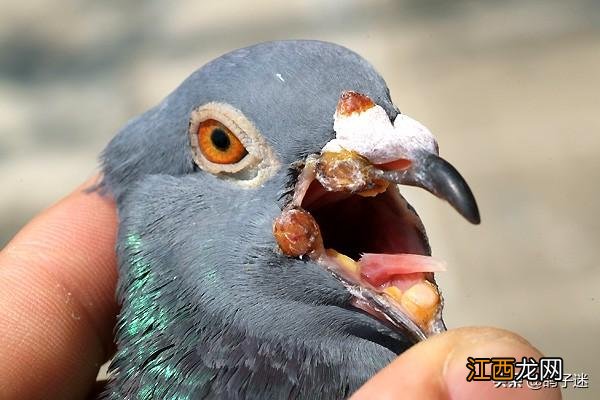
(57, 307)
(436, 369)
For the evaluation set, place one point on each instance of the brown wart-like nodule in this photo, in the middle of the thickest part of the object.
(296, 232)
(347, 171)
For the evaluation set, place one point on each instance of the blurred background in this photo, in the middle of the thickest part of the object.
(511, 89)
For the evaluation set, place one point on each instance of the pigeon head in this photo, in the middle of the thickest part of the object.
(264, 248)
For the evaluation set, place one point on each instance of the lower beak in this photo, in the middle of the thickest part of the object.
(439, 177)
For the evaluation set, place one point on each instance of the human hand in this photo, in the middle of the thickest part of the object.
(436, 369)
(57, 312)
(57, 300)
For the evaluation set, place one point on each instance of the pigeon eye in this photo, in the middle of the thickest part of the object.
(218, 144)
(225, 143)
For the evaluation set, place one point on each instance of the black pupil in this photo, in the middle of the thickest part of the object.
(220, 139)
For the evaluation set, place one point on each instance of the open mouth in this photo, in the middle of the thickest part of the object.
(378, 245)
(375, 243)
(347, 214)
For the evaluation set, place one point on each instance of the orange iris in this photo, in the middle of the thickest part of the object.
(218, 144)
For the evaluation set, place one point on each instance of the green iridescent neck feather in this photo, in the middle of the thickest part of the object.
(143, 341)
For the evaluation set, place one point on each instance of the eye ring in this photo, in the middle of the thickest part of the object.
(245, 155)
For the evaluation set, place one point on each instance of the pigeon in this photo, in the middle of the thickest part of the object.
(264, 248)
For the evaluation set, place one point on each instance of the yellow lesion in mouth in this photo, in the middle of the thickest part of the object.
(420, 302)
(394, 293)
(344, 261)
(347, 171)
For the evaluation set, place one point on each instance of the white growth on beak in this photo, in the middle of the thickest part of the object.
(367, 130)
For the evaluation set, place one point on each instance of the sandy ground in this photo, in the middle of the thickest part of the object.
(512, 92)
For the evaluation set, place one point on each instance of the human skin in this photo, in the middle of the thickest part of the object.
(57, 313)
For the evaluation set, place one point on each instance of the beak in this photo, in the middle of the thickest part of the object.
(440, 178)
(403, 152)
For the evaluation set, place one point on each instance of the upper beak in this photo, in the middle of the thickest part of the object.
(403, 152)
(439, 177)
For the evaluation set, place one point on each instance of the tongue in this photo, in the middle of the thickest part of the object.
(378, 269)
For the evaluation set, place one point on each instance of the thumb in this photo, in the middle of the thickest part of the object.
(436, 369)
